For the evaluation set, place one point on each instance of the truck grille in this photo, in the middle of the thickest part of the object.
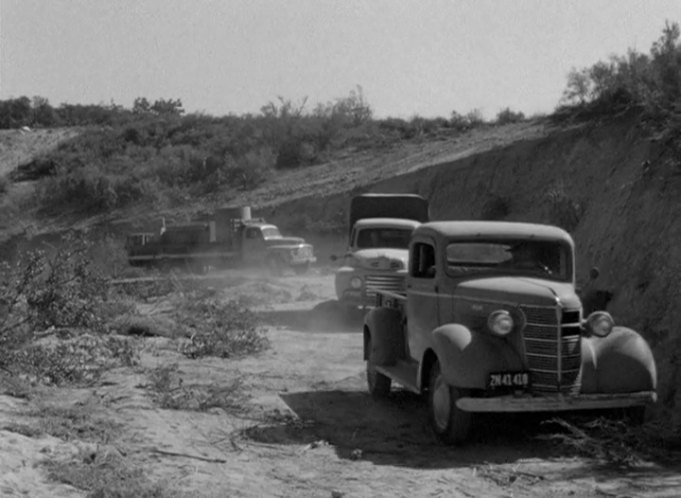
(552, 348)
(392, 282)
(305, 252)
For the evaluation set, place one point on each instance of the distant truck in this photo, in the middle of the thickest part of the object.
(490, 321)
(229, 236)
(378, 241)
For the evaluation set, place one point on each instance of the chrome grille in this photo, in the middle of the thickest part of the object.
(392, 282)
(552, 348)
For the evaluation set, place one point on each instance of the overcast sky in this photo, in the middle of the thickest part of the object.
(417, 57)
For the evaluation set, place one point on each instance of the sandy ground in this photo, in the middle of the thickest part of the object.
(302, 424)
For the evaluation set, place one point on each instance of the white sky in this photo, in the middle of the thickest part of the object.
(411, 57)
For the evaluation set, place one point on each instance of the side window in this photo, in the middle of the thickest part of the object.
(423, 261)
(252, 233)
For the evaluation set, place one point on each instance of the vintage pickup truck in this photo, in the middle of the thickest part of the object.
(491, 322)
(378, 240)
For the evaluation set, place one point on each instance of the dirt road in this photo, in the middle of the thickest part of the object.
(300, 423)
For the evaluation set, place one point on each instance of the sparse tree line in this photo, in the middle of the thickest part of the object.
(650, 82)
(38, 113)
(156, 153)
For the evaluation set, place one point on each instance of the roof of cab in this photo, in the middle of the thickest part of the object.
(492, 230)
(386, 223)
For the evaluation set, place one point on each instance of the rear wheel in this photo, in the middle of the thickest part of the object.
(378, 384)
(450, 424)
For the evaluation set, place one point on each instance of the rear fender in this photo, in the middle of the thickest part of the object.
(619, 363)
(384, 327)
(467, 357)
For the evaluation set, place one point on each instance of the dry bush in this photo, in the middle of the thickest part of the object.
(75, 423)
(99, 468)
(171, 392)
(61, 288)
(146, 326)
(616, 441)
(108, 474)
(496, 207)
(218, 329)
(60, 294)
(563, 210)
(72, 361)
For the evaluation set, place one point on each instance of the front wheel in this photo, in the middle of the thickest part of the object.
(450, 424)
(378, 384)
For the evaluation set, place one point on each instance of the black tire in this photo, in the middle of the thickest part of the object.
(378, 384)
(450, 424)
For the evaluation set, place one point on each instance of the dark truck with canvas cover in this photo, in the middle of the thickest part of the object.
(378, 241)
(229, 236)
(490, 321)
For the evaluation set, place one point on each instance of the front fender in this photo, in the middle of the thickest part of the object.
(622, 362)
(467, 357)
(384, 327)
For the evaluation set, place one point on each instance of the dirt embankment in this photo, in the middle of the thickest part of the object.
(615, 190)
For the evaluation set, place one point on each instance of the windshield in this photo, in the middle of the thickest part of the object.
(271, 232)
(524, 257)
(394, 238)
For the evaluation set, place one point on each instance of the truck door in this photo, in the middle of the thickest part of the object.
(253, 246)
(422, 297)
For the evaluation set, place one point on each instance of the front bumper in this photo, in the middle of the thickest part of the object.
(556, 402)
(357, 297)
(302, 260)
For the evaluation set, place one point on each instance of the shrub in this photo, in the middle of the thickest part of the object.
(71, 361)
(60, 289)
(506, 116)
(647, 81)
(497, 207)
(470, 120)
(563, 211)
(218, 329)
(171, 392)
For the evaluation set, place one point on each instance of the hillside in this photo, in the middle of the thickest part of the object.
(87, 418)
(614, 189)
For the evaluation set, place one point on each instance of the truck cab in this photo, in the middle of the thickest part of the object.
(263, 241)
(228, 236)
(378, 246)
(490, 321)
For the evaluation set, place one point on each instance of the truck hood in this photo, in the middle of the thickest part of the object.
(380, 258)
(520, 290)
(284, 241)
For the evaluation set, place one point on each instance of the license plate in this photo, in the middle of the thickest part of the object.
(505, 380)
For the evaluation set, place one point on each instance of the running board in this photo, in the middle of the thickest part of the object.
(403, 373)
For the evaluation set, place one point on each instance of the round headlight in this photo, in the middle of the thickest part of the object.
(600, 323)
(500, 322)
(356, 282)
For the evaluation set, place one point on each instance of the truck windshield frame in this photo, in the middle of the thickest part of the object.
(383, 237)
(548, 259)
(270, 233)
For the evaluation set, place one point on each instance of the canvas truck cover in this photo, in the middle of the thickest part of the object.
(404, 206)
